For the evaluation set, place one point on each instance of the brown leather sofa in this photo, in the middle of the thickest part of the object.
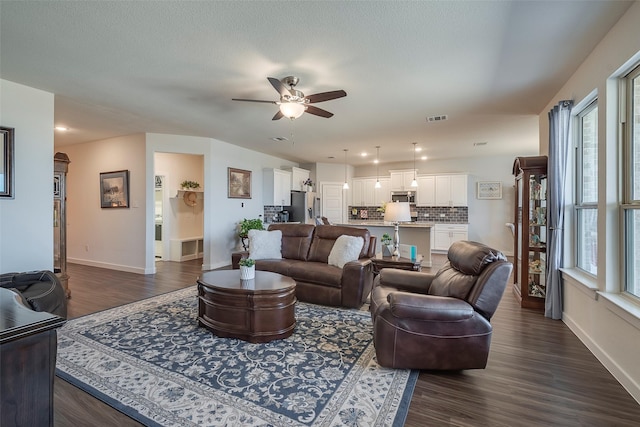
(305, 253)
(441, 321)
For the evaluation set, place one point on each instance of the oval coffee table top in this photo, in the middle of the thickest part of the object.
(229, 280)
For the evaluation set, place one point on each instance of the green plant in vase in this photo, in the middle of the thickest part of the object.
(387, 244)
(189, 185)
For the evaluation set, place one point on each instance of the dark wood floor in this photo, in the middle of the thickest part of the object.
(539, 373)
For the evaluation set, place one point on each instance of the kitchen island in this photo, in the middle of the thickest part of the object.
(411, 233)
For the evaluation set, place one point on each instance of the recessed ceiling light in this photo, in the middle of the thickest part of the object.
(418, 149)
(363, 154)
(423, 158)
(376, 161)
(62, 128)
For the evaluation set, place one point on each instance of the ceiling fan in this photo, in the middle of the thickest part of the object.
(294, 103)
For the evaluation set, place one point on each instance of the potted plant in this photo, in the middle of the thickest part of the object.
(387, 245)
(243, 229)
(189, 185)
(247, 269)
(308, 184)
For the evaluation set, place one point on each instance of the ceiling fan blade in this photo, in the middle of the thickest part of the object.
(318, 111)
(326, 96)
(279, 86)
(278, 115)
(253, 100)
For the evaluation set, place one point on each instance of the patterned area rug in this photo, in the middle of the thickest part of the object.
(152, 362)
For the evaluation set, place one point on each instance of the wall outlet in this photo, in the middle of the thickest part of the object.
(442, 215)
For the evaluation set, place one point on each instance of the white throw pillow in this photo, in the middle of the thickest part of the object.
(265, 244)
(345, 249)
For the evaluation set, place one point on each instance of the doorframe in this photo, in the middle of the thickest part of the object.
(323, 185)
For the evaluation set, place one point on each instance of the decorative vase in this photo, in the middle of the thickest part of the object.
(309, 189)
(387, 250)
(247, 273)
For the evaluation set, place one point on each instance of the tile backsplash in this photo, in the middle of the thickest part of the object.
(459, 214)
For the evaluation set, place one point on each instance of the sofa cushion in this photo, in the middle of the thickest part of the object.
(296, 239)
(325, 236)
(450, 282)
(319, 273)
(280, 266)
(265, 244)
(345, 249)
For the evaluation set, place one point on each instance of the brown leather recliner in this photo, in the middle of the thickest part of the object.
(441, 321)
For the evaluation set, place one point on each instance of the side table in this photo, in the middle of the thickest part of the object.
(379, 262)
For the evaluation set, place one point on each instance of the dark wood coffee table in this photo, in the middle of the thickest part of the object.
(258, 310)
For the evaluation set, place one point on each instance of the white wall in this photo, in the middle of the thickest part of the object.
(487, 218)
(221, 214)
(26, 221)
(612, 333)
(106, 237)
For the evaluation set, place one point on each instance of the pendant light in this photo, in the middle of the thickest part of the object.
(378, 185)
(414, 183)
(346, 184)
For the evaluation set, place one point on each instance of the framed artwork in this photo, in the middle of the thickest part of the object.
(6, 162)
(114, 189)
(489, 190)
(239, 181)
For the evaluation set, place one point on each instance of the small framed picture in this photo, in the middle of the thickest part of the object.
(114, 189)
(6, 162)
(239, 184)
(489, 190)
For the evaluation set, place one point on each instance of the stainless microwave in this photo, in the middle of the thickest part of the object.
(403, 196)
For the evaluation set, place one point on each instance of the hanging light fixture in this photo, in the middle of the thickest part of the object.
(292, 110)
(378, 185)
(414, 183)
(346, 184)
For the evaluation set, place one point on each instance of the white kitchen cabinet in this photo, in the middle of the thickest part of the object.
(364, 192)
(298, 176)
(401, 180)
(451, 190)
(445, 234)
(382, 194)
(276, 187)
(426, 193)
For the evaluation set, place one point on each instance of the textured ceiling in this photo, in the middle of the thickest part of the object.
(172, 67)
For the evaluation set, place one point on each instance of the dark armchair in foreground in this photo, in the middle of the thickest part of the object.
(441, 321)
(38, 290)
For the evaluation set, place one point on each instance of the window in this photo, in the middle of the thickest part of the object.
(586, 207)
(631, 184)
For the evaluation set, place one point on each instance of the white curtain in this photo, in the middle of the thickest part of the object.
(559, 143)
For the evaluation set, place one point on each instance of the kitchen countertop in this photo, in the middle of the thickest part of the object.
(416, 224)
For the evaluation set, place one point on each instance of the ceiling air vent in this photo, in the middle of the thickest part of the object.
(279, 139)
(479, 144)
(437, 118)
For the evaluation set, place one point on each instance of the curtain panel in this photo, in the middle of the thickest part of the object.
(559, 143)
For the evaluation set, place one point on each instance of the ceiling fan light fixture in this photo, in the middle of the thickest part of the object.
(292, 110)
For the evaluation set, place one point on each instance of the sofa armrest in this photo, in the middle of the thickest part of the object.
(428, 307)
(405, 280)
(236, 257)
(357, 281)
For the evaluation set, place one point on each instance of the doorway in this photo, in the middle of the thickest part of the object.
(332, 201)
(158, 217)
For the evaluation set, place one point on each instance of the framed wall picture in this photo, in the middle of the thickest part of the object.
(6, 162)
(489, 190)
(114, 189)
(239, 181)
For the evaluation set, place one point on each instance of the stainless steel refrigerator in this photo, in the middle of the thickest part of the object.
(304, 207)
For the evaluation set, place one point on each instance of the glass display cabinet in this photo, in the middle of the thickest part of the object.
(530, 233)
(60, 168)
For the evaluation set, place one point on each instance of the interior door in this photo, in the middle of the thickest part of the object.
(332, 202)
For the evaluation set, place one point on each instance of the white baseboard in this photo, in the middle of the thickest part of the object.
(110, 266)
(619, 374)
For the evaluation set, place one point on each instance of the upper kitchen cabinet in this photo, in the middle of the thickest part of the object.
(426, 194)
(298, 176)
(365, 193)
(451, 190)
(276, 187)
(401, 180)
